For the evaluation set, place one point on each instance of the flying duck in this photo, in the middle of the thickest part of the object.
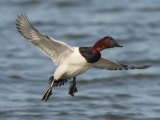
(72, 61)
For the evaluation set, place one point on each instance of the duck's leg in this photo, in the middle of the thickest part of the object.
(73, 88)
(49, 89)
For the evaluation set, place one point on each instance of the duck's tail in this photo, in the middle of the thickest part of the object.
(57, 83)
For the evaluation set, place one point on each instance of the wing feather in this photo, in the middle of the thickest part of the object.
(54, 49)
(104, 63)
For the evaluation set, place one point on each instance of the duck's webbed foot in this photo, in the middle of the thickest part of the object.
(73, 88)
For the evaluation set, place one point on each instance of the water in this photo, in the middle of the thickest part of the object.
(103, 95)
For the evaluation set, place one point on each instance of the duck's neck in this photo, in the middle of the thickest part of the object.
(90, 55)
(96, 49)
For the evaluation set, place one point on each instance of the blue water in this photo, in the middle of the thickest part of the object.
(102, 94)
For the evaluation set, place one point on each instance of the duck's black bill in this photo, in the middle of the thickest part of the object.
(117, 45)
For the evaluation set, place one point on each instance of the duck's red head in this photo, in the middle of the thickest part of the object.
(106, 42)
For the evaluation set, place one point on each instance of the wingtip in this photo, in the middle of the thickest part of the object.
(21, 15)
(146, 66)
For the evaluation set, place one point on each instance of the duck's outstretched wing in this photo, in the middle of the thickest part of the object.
(104, 63)
(56, 50)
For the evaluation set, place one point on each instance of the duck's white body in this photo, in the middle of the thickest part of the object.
(74, 65)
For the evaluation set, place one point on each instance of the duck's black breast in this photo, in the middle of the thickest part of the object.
(89, 55)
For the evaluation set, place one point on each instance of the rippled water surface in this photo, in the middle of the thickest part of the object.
(102, 94)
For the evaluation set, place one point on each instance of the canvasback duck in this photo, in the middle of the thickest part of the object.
(72, 61)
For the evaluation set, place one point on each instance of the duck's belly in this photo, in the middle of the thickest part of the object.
(75, 71)
(66, 71)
